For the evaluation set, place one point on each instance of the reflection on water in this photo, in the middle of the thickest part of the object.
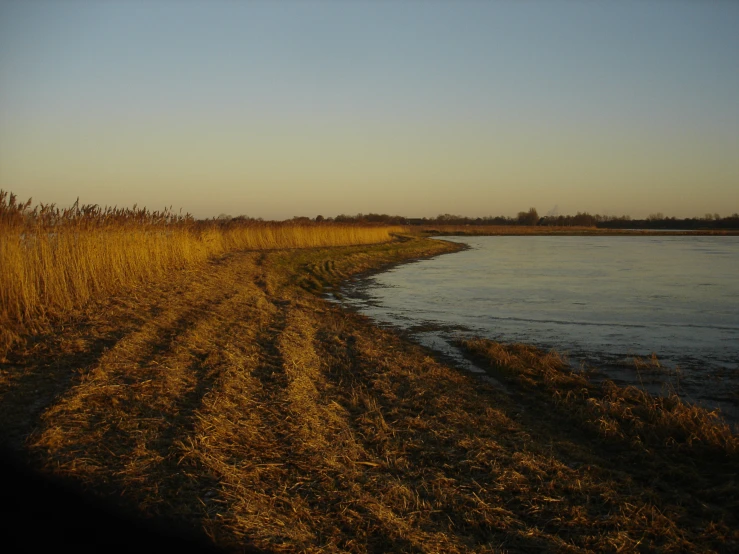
(602, 300)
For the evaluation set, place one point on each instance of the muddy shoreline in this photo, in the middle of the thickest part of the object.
(716, 388)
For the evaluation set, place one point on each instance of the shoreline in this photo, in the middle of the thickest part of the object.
(232, 399)
(650, 373)
(655, 374)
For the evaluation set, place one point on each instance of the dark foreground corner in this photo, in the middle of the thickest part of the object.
(44, 514)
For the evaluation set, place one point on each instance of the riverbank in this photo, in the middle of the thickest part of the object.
(231, 398)
(605, 302)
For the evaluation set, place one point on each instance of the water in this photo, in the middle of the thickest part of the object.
(600, 300)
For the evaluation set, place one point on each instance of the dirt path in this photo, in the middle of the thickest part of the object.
(233, 399)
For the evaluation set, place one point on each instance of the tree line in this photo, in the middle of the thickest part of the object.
(532, 218)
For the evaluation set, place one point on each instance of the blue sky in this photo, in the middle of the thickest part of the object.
(278, 109)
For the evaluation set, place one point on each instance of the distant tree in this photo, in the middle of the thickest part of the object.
(528, 218)
(319, 218)
(584, 220)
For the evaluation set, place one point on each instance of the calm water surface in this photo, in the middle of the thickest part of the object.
(602, 300)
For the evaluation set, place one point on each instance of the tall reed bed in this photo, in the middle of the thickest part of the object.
(54, 260)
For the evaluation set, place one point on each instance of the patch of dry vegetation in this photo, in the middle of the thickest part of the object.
(56, 260)
(686, 454)
(626, 413)
(230, 397)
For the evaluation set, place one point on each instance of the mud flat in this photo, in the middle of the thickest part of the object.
(233, 400)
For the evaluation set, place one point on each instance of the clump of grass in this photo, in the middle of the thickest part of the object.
(650, 365)
(615, 412)
(54, 260)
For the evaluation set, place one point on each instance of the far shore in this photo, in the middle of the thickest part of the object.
(493, 230)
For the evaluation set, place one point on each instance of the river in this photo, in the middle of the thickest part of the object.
(601, 300)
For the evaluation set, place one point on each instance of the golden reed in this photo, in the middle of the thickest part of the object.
(54, 260)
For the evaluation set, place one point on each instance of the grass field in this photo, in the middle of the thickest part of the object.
(56, 260)
(227, 396)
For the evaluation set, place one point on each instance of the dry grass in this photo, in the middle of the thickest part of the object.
(55, 260)
(233, 399)
(627, 414)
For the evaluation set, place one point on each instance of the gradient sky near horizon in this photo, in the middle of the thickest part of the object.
(282, 109)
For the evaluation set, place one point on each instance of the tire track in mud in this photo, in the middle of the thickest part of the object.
(132, 408)
(64, 357)
(265, 464)
(278, 442)
(345, 486)
(241, 436)
(318, 475)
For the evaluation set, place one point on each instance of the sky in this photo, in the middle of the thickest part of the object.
(287, 108)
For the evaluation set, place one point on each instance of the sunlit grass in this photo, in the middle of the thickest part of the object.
(55, 260)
